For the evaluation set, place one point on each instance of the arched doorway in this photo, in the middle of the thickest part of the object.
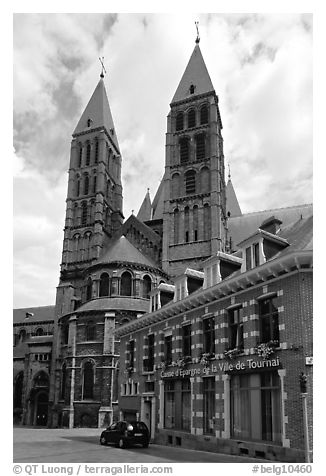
(41, 409)
(39, 400)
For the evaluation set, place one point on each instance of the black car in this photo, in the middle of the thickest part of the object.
(126, 433)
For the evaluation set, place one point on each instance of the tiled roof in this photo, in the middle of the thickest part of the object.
(40, 313)
(124, 251)
(299, 234)
(115, 303)
(245, 225)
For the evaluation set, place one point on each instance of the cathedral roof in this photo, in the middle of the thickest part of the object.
(240, 227)
(122, 250)
(99, 112)
(232, 204)
(145, 211)
(195, 74)
(114, 303)
(30, 315)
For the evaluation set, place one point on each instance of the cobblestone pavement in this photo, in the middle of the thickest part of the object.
(81, 445)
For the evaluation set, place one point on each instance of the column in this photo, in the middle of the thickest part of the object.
(72, 345)
(109, 326)
(284, 419)
(227, 413)
(161, 414)
(192, 428)
(153, 417)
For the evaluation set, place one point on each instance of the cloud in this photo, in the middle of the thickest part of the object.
(260, 65)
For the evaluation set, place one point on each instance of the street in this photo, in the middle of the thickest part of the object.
(81, 445)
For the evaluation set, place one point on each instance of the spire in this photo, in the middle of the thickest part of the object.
(103, 67)
(195, 79)
(97, 113)
(145, 211)
(198, 37)
(232, 204)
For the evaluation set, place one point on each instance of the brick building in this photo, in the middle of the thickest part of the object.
(192, 287)
(218, 367)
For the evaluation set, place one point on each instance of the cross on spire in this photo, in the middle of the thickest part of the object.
(103, 67)
(198, 37)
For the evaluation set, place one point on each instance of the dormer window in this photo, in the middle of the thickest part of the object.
(192, 89)
(89, 122)
(252, 256)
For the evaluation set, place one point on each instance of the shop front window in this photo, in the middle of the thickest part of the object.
(177, 404)
(185, 405)
(256, 407)
(169, 404)
(209, 404)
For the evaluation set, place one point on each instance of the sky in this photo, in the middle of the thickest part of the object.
(260, 66)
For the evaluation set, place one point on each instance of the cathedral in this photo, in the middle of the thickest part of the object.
(136, 296)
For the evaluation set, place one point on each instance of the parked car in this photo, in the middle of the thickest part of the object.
(126, 433)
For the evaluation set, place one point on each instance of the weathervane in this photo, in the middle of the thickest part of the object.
(103, 67)
(198, 38)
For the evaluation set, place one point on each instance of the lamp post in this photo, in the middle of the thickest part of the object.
(303, 390)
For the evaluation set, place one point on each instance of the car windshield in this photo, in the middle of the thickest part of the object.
(137, 425)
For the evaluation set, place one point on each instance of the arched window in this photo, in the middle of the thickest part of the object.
(192, 89)
(96, 151)
(147, 285)
(126, 284)
(75, 214)
(94, 184)
(90, 331)
(104, 284)
(84, 214)
(80, 155)
(175, 185)
(86, 184)
(88, 153)
(19, 385)
(207, 222)
(89, 287)
(195, 222)
(179, 121)
(63, 381)
(186, 224)
(190, 182)
(200, 146)
(77, 185)
(39, 332)
(65, 334)
(184, 150)
(87, 245)
(204, 114)
(88, 380)
(191, 118)
(204, 180)
(22, 335)
(75, 251)
(176, 225)
(89, 122)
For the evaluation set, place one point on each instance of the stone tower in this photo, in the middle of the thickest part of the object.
(94, 197)
(194, 218)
